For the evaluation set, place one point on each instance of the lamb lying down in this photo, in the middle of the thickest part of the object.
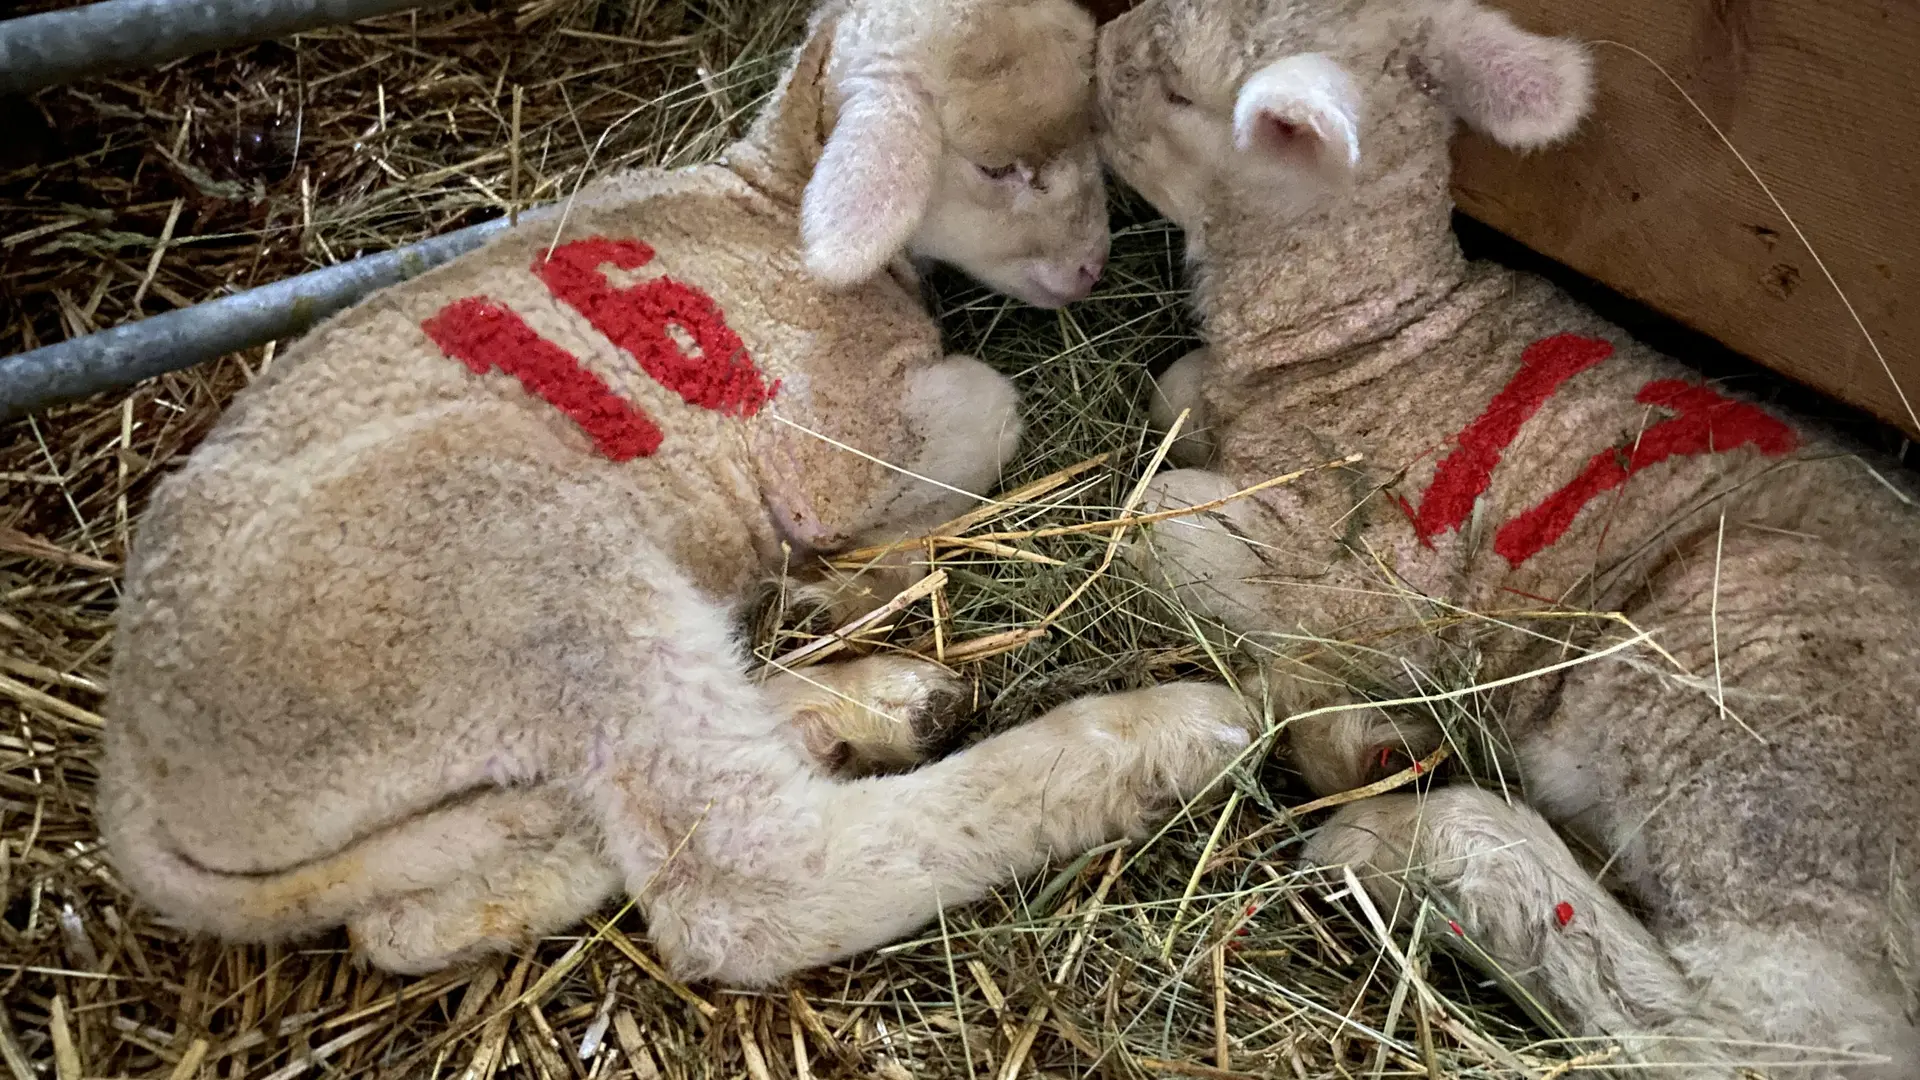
(1751, 775)
(433, 636)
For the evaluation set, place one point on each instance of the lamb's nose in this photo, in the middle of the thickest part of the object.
(1090, 272)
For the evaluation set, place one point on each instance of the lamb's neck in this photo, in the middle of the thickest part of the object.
(1332, 281)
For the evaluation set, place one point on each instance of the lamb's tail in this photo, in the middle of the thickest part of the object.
(425, 851)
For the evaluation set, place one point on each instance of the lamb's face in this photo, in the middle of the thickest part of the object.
(1019, 201)
(1166, 83)
(1183, 93)
(1037, 232)
(972, 145)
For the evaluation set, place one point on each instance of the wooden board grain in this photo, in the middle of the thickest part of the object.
(1823, 98)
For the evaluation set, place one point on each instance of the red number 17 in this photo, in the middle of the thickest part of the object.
(1704, 423)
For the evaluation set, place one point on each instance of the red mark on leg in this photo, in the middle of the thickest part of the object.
(1563, 913)
(484, 335)
(1464, 475)
(1707, 424)
(719, 376)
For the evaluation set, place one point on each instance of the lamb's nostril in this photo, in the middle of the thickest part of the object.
(1090, 272)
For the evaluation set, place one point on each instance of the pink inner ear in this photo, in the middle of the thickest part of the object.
(1291, 140)
(1518, 86)
(1523, 89)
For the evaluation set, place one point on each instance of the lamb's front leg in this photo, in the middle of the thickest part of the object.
(1182, 388)
(871, 715)
(1208, 560)
(1517, 902)
(832, 869)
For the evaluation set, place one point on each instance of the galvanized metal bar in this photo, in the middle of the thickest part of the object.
(124, 355)
(100, 39)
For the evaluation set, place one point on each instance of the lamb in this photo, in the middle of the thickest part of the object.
(433, 636)
(1747, 775)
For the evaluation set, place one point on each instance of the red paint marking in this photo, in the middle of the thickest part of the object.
(720, 376)
(1563, 913)
(1464, 475)
(1386, 761)
(1413, 518)
(484, 335)
(1455, 927)
(1707, 424)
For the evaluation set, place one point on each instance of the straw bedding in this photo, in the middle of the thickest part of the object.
(1204, 953)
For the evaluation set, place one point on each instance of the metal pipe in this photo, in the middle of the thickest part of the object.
(124, 355)
(99, 39)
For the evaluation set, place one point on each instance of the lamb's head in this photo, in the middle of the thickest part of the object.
(1268, 108)
(963, 133)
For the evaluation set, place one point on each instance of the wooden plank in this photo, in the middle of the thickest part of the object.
(1823, 98)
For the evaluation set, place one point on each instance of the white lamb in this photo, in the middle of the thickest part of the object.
(434, 635)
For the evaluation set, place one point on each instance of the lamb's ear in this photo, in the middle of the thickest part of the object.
(1303, 111)
(873, 183)
(1522, 89)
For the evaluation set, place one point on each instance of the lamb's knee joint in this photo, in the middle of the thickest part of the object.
(1182, 388)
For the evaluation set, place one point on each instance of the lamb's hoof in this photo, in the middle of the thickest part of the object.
(879, 714)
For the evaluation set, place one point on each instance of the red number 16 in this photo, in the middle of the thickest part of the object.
(716, 373)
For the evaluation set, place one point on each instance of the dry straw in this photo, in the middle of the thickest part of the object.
(1202, 953)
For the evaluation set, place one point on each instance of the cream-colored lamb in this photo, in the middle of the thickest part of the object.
(433, 636)
(1759, 802)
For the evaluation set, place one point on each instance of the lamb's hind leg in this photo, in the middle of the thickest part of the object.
(855, 718)
(541, 885)
(1762, 812)
(800, 870)
(1526, 909)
